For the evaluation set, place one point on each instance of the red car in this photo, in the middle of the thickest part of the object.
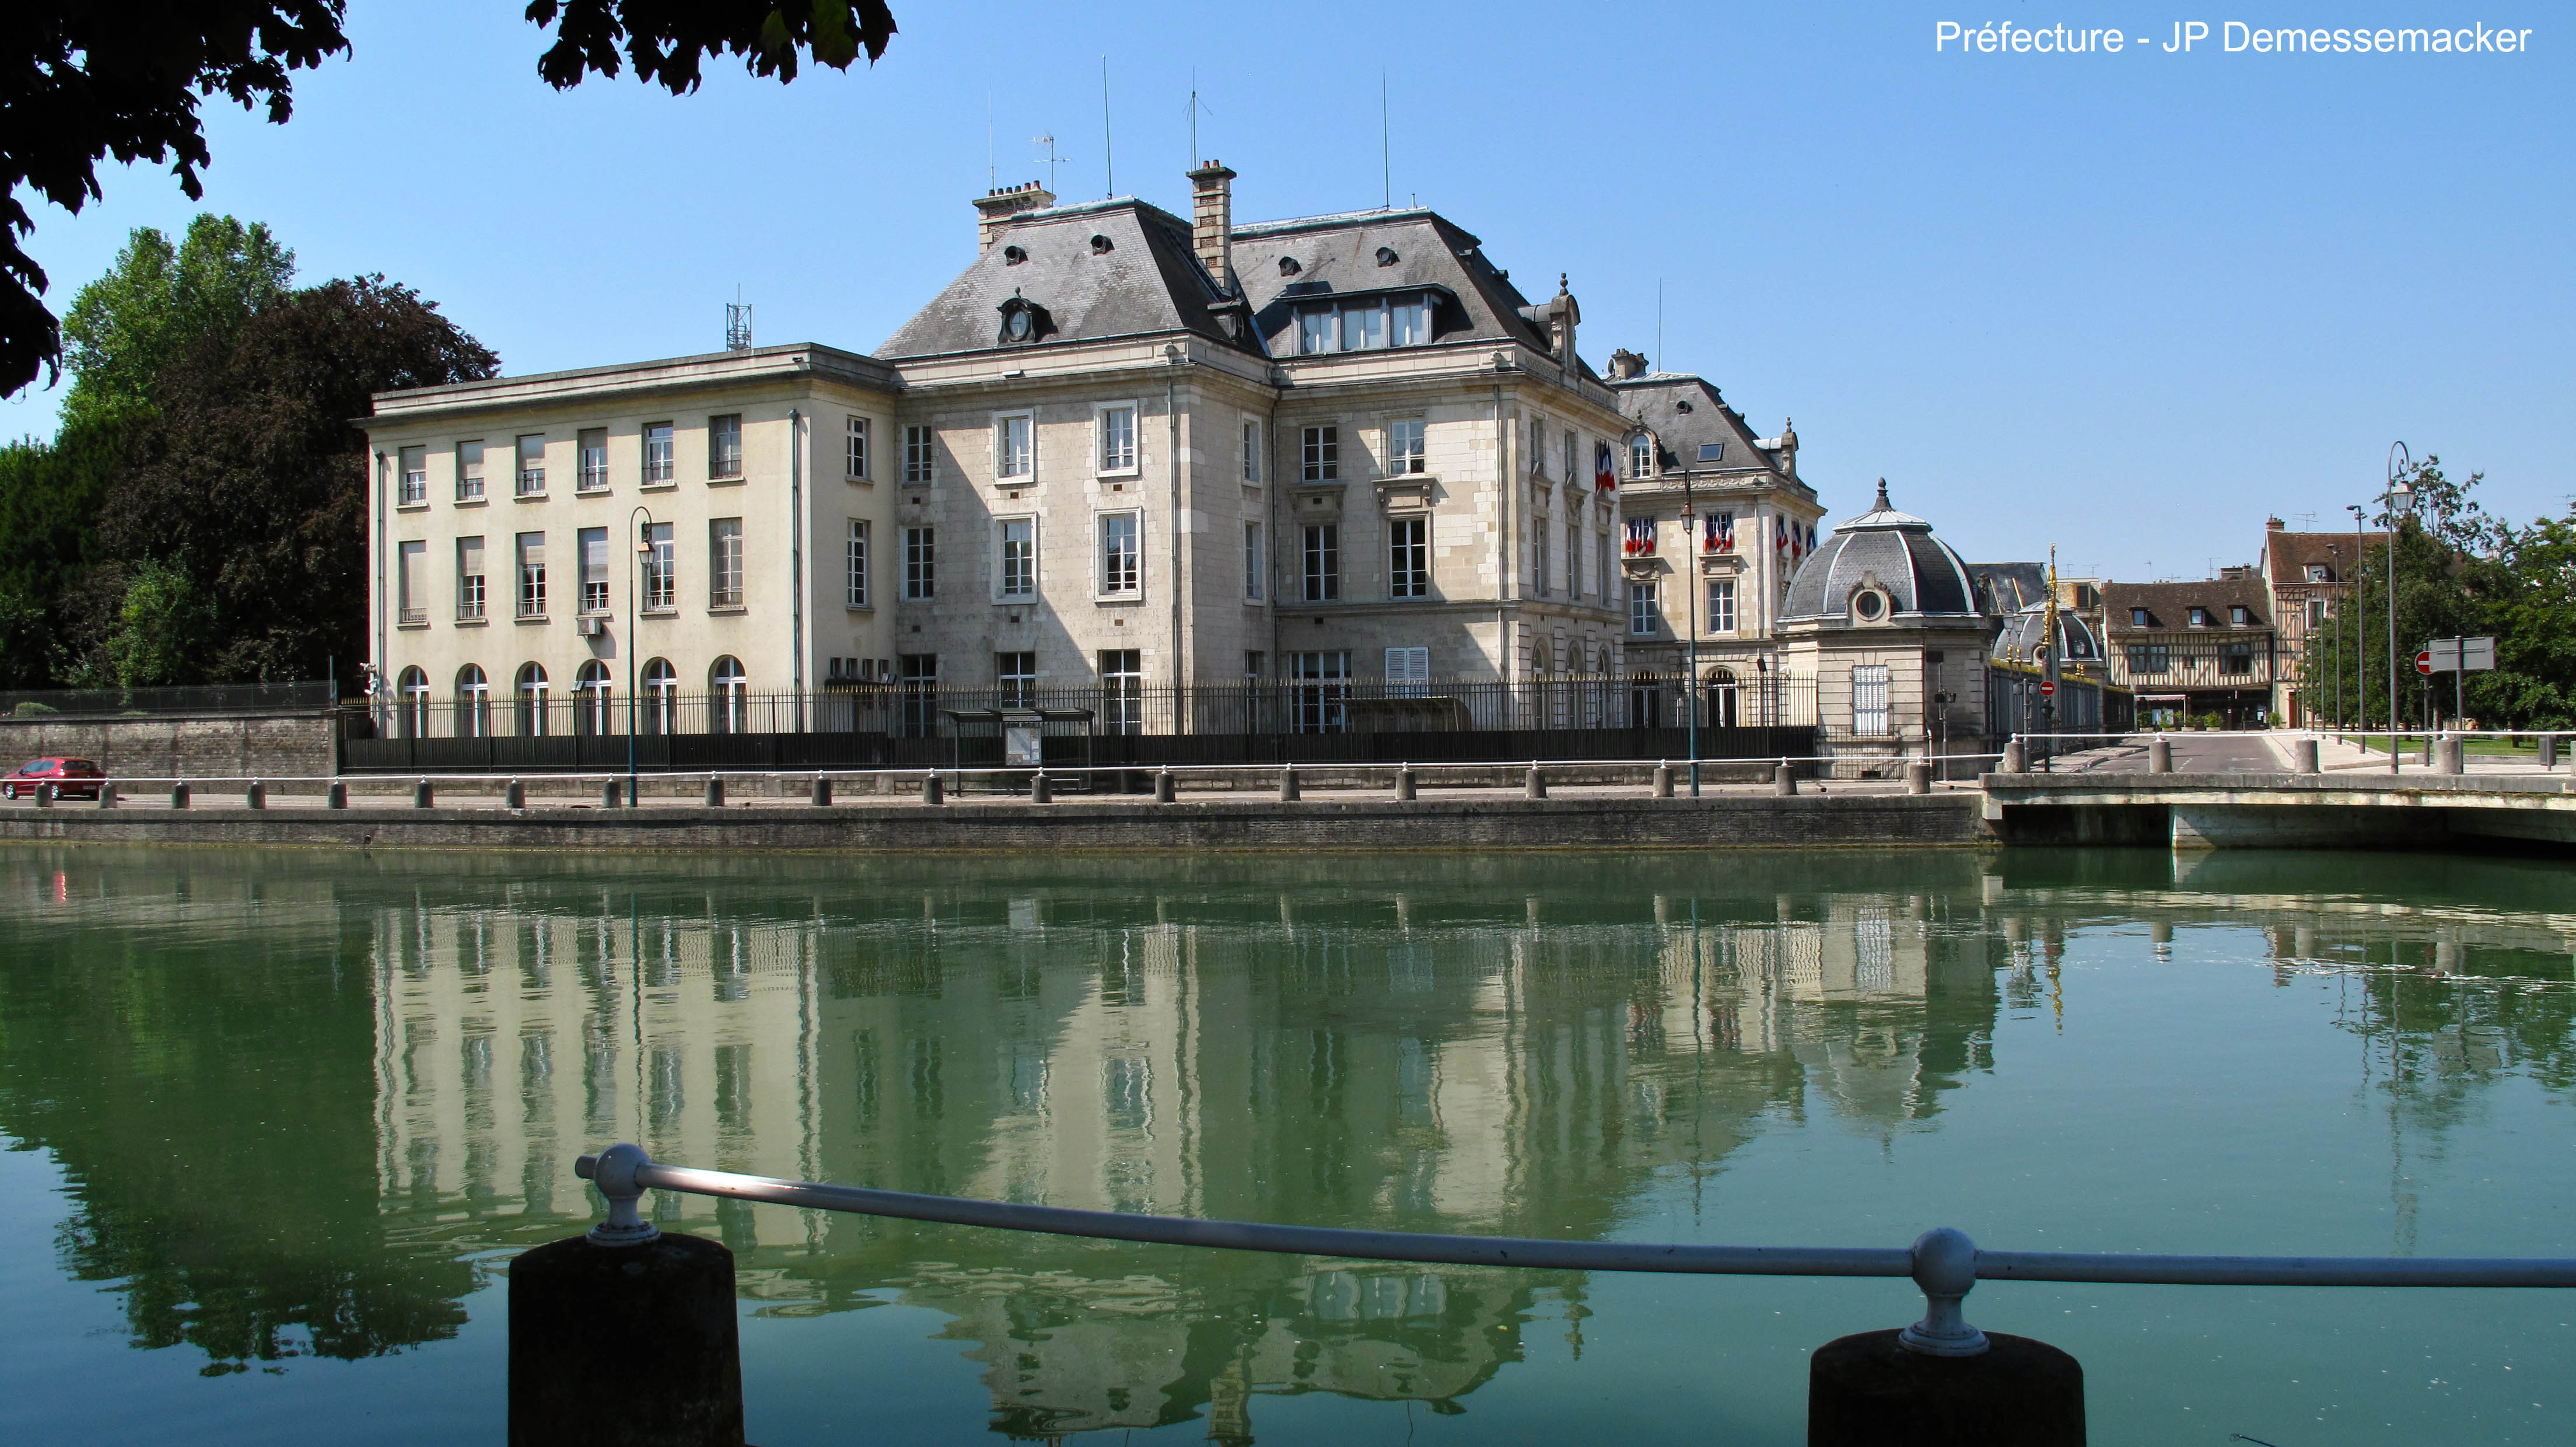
(68, 778)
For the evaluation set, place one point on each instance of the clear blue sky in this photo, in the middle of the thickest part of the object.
(2128, 304)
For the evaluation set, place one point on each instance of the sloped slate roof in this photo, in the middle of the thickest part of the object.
(1654, 402)
(1925, 580)
(2286, 555)
(2024, 631)
(2169, 605)
(2013, 585)
(1338, 256)
(1149, 281)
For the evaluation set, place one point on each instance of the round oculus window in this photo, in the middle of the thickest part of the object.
(1016, 325)
(1869, 607)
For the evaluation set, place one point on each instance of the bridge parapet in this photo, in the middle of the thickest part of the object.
(2285, 810)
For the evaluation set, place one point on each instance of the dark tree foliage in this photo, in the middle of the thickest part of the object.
(666, 40)
(50, 496)
(253, 479)
(84, 81)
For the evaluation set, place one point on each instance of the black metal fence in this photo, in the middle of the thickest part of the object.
(213, 698)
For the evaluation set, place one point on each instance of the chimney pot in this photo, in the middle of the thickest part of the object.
(995, 208)
(1212, 222)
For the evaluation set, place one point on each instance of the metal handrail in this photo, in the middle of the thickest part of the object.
(1944, 1262)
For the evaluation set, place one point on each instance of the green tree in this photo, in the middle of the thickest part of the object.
(2531, 609)
(252, 479)
(50, 496)
(155, 304)
(161, 630)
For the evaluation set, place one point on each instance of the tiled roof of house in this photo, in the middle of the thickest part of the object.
(2286, 555)
(2169, 605)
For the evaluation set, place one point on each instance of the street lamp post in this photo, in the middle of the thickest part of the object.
(643, 550)
(2400, 499)
(1690, 612)
(2360, 642)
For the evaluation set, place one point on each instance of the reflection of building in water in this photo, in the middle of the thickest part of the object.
(1443, 1070)
(509, 1041)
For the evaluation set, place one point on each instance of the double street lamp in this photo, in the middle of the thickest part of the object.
(2399, 500)
(643, 552)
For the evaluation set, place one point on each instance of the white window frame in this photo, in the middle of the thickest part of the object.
(1105, 460)
(1252, 451)
(531, 576)
(1319, 452)
(1256, 563)
(1107, 581)
(1871, 699)
(717, 458)
(411, 585)
(1408, 578)
(661, 568)
(854, 562)
(1641, 456)
(412, 463)
(1408, 672)
(857, 458)
(724, 565)
(658, 453)
(590, 464)
(1408, 447)
(1002, 458)
(529, 481)
(1002, 590)
(470, 485)
(920, 563)
(1320, 584)
(1721, 605)
(594, 592)
(1645, 608)
(473, 589)
(1122, 689)
(920, 453)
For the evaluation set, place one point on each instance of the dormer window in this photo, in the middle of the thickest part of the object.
(1712, 451)
(1288, 266)
(1641, 456)
(1386, 256)
(2138, 618)
(1102, 246)
(2240, 615)
(2199, 617)
(1014, 255)
(1023, 321)
(2318, 573)
(1364, 325)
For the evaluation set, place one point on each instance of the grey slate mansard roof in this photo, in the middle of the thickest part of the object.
(2011, 586)
(1338, 256)
(1655, 402)
(1149, 281)
(2024, 630)
(1925, 579)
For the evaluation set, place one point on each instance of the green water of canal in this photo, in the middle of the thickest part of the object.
(280, 1119)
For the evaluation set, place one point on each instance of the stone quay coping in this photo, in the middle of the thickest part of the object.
(2473, 790)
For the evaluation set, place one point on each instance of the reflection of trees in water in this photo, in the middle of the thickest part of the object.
(290, 1095)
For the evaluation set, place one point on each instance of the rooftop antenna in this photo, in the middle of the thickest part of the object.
(1108, 158)
(1659, 324)
(737, 323)
(1385, 145)
(1195, 107)
(1052, 159)
(992, 167)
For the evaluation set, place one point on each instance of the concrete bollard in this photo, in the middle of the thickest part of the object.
(608, 794)
(514, 795)
(2012, 759)
(1167, 790)
(44, 796)
(2454, 755)
(2303, 754)
(820, 796)
(715, 791)
(256, 796)
(1783, 781)
(107, 796)
(1404, 784)
(1535, 786)
(179, 796)
(1941, 1382)
(625, 1336)
(1038, 791)
(1918, 776)
(2159, 755)
(1663, 781)
(2549, 751)
(1288, 784)
(930, 788)
(422, 796)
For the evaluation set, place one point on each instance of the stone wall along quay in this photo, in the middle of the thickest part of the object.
(302, 744)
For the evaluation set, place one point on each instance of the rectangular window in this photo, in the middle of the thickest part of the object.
(1408, 672)
(2240, 615)
(1314, 332)
(2138, 618)
(532, 466)
(920, 565)
(2236, 660)
(1319, 686)
(1721, 605)
(469, 578)
(1641, 456)
(469, 471)
(724, 445)
(658, 453)
(1645, 616)
(594, 570)
(916, 454)
(1538, 447)
(1323, 454)
(1542, 532)
(1252, 661)
(414, 483)
(2150, 658)
(1569, 443)
(1256, 563)
(854, 450)
(1015, 680)
(1405, 451)
(661, 569)
(919, 675)
(1363, 327)
(724, 563)
(1117, 429)
(1122, 690)
(1408, 561)
(854, 566)
(1601, 566)
(1252, 453)
(592, 447)
(532, 575)
(1014, 453)
(2316, 612)
(1018, 572)
(1712, 452)
(1323, 562)
(1120, 575)
(412, 558)
(2316, 572)
(1408, 323)
(1869, 698)
(2199, 617)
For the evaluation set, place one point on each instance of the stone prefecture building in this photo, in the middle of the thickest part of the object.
(1121, 449)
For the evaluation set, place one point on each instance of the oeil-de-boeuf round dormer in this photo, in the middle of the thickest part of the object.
(1889, 624)
(1883, 569)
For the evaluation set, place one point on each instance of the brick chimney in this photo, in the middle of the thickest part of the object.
(1212, 221)
(994, 209)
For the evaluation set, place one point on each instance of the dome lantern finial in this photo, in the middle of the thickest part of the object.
(1883, 504)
